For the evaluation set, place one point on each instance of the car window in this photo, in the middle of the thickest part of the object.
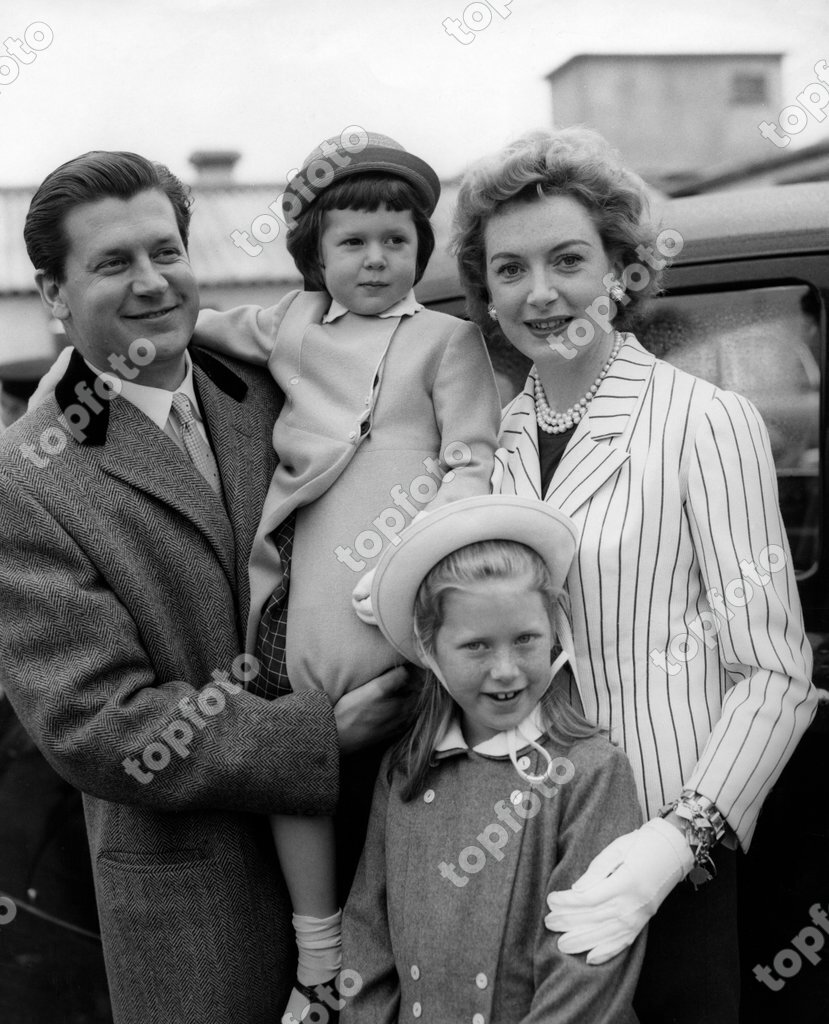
(765, 344)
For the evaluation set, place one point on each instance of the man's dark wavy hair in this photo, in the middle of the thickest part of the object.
(99, 174)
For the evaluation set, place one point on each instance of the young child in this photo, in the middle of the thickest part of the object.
(499, 793)
(390, 408)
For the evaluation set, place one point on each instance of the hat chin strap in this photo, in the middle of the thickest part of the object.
(515, 734)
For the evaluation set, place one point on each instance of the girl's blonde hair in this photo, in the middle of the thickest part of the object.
(486, 560)
(575, 162)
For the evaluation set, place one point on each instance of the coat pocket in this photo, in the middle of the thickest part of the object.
(170, 938)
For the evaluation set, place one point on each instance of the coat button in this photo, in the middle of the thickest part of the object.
(524, 763)
(429, 796)
(480, 980)
(415, 972)
(478, 1019)
(352, 435)
(294, 380)
(417, 1009)
(516, 796)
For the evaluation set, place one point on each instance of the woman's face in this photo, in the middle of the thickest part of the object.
(545, 266)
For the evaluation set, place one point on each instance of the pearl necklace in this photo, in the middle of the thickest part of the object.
(557, 422)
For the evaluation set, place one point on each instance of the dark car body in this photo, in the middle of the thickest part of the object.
(745, 306)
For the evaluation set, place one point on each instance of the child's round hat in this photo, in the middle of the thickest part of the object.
(402, 568)
(356, 151)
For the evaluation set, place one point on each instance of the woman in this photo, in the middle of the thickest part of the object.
(686, 622)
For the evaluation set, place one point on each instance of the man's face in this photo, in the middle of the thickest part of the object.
(127, 278)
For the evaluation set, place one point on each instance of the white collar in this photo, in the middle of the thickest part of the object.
(156, 403)
(451, 740)
(407, 306)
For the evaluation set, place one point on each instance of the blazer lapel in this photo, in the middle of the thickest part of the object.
(139, 454)
(517, 467)
(600, 445)
(598, 448)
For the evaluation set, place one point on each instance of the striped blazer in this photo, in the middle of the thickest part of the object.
(687, 626)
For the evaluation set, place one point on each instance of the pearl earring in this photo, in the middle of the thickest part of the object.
(493, 312)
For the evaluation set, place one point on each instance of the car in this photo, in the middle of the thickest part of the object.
(744, 305)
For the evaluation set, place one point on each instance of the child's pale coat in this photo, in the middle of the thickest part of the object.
(378, 395)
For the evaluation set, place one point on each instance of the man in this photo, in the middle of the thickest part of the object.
(126, 522)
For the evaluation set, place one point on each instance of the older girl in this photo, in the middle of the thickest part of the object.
(499, 791)
(671, 483)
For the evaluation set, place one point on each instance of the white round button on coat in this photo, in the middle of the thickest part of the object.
(480, 980)
(516, 796)
(415, 972)
(417, 1009)
(524, 763)
(478, 1019)
(429, 796)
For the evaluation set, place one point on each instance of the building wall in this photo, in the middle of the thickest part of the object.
(670, 115)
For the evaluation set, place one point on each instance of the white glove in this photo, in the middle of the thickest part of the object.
(50, 380)
(620, 891)
(361, 599)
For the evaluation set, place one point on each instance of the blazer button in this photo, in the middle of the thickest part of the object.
(516, 796)
(417, 1009)
(524, 763)
(429, 796)
(480, 980)
(415, 972)
(294, 380)
(478, 1019)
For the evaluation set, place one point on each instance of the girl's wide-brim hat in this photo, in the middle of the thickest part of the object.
(402, 568)
(359, 152)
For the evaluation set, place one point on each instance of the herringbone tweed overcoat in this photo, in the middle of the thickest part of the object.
(123, 588)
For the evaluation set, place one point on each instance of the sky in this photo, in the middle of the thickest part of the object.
(272, 78)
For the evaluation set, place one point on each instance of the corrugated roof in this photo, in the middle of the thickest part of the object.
(218, 211)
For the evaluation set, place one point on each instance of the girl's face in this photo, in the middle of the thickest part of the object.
(369, 258)
(545, 265)
(493, 651)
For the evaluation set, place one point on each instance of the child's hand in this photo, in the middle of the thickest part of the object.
(620, 891)
(361, 599)
(49, 381)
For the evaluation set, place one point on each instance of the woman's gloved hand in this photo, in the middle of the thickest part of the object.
(620, 891)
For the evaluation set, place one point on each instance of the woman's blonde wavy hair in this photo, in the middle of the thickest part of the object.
(573, 162)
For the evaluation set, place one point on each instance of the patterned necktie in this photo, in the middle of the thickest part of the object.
(194, 444)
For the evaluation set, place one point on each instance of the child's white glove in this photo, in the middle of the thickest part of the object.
(361, 599)
(50, 380)
(620, 891)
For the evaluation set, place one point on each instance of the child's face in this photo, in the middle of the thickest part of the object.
(369, 259)
(495, 640)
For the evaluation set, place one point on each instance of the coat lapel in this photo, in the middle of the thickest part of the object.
(137, 453)
(598, 448)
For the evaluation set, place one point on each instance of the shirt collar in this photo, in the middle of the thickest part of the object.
(407, 306)
(450, 740)
(156, 403)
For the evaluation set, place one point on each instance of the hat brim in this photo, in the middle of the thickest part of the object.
(403, 568)
(374, 160)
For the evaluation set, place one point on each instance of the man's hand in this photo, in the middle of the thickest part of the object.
(374, 712)
(621, 889)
